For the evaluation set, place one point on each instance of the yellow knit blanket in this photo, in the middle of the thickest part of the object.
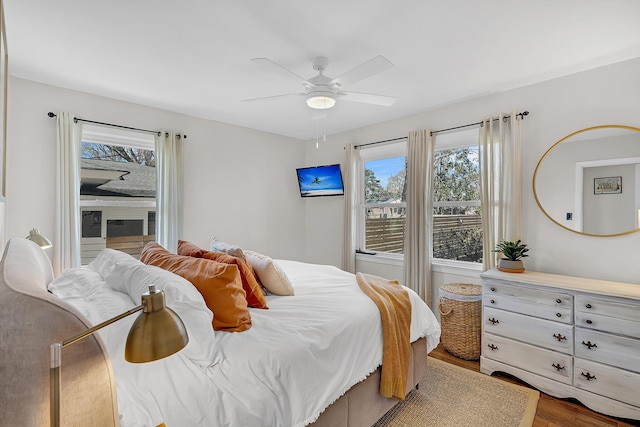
(395, 312)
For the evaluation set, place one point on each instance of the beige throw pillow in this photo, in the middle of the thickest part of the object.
(270, 274)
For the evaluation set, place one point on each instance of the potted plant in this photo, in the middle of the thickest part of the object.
(512, 253)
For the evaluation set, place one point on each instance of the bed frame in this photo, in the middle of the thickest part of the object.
(362, 405)
(31, 319)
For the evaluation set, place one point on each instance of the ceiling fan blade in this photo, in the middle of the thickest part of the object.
(265, 62)
(274, 97)
(367, 69)
(368, 98)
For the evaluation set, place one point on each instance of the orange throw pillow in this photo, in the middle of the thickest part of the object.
(255, 296)
(219, 284)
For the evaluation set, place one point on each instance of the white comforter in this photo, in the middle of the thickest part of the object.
(300, 355)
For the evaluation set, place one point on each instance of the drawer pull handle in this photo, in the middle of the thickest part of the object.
(558, 314)
(492, 347)
(588, 376)
(493, 289)
(558, 367)
(558, 300)
(589, 344)
(560, 337)
(589, 321)
(493, 320)
(493, 302)
(588, 305)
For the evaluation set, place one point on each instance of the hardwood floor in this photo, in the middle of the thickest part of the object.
(551, 412)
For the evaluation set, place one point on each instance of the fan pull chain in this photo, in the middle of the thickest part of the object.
(324, 129)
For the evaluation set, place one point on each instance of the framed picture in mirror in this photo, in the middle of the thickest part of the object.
(607, 185)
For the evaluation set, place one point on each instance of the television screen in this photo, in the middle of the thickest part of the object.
(320, 181)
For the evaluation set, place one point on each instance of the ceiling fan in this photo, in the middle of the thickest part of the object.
(322, 92)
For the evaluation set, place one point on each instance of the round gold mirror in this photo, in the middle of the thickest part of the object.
(589, 181)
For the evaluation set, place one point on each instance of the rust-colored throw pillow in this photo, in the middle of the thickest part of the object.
(255, 296)
(219, 284)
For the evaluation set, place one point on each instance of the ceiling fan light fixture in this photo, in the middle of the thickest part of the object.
(321, 100)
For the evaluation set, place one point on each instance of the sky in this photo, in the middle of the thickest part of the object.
(385, 168)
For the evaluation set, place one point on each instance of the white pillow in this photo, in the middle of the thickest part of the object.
(87, 291)
(233, 250)
(180, 295)
(107, 259)
(270, 274)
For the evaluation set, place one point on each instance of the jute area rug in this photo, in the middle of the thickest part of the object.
(450, 396)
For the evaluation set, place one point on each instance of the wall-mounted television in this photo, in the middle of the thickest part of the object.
(320, 181)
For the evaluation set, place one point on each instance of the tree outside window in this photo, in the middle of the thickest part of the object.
(457, 222)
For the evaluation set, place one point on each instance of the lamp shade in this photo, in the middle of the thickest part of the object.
(39, 239)
(321, 100)
(158, 332)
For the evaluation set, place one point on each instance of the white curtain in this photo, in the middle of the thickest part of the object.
(66, 238)
(500, 183)
(350, 208)
(417, 237)
(169, 170)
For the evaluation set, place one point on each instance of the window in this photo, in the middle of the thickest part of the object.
(457, 221)
(151, 223)
(383, 200)
(117, 191)
(91, 224)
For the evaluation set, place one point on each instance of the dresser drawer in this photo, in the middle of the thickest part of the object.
(606, 381)
(547, 363)
(545, 333)
(530, 295)
(560, 313)
(609, 324)
(609, 349)
(608, 315)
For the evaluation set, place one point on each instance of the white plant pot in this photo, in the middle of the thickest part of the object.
(507, 265)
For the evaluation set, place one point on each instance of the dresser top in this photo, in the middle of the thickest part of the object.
(581, 284)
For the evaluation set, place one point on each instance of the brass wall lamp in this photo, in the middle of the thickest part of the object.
(158, 332)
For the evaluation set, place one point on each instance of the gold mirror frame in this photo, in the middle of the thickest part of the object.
(535, 174)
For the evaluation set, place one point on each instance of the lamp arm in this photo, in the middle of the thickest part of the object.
(56, 350)
(99, 326)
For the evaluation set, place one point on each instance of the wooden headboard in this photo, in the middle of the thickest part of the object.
(31, 319)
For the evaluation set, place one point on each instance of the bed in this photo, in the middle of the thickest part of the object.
(309, 359)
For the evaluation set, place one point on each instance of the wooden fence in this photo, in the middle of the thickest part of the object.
(452, 234)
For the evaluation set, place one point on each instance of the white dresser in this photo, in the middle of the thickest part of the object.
(567, 336)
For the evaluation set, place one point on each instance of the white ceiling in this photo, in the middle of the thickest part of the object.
(193, 56)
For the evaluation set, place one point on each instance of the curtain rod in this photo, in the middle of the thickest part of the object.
(521, 115)
(77, 119)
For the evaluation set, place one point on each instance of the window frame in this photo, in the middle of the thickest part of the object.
(449, 140)
(366, 154)
(140, 207)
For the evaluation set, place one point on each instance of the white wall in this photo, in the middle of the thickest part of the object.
(239, 185)
(607, 95)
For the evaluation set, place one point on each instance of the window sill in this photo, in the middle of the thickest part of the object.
(439, 265)
(460, 268)
(382, 258)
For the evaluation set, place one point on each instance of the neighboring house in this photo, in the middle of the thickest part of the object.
(124, 179)
(117, 202)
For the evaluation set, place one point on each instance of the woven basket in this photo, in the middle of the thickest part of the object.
(460, 310)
